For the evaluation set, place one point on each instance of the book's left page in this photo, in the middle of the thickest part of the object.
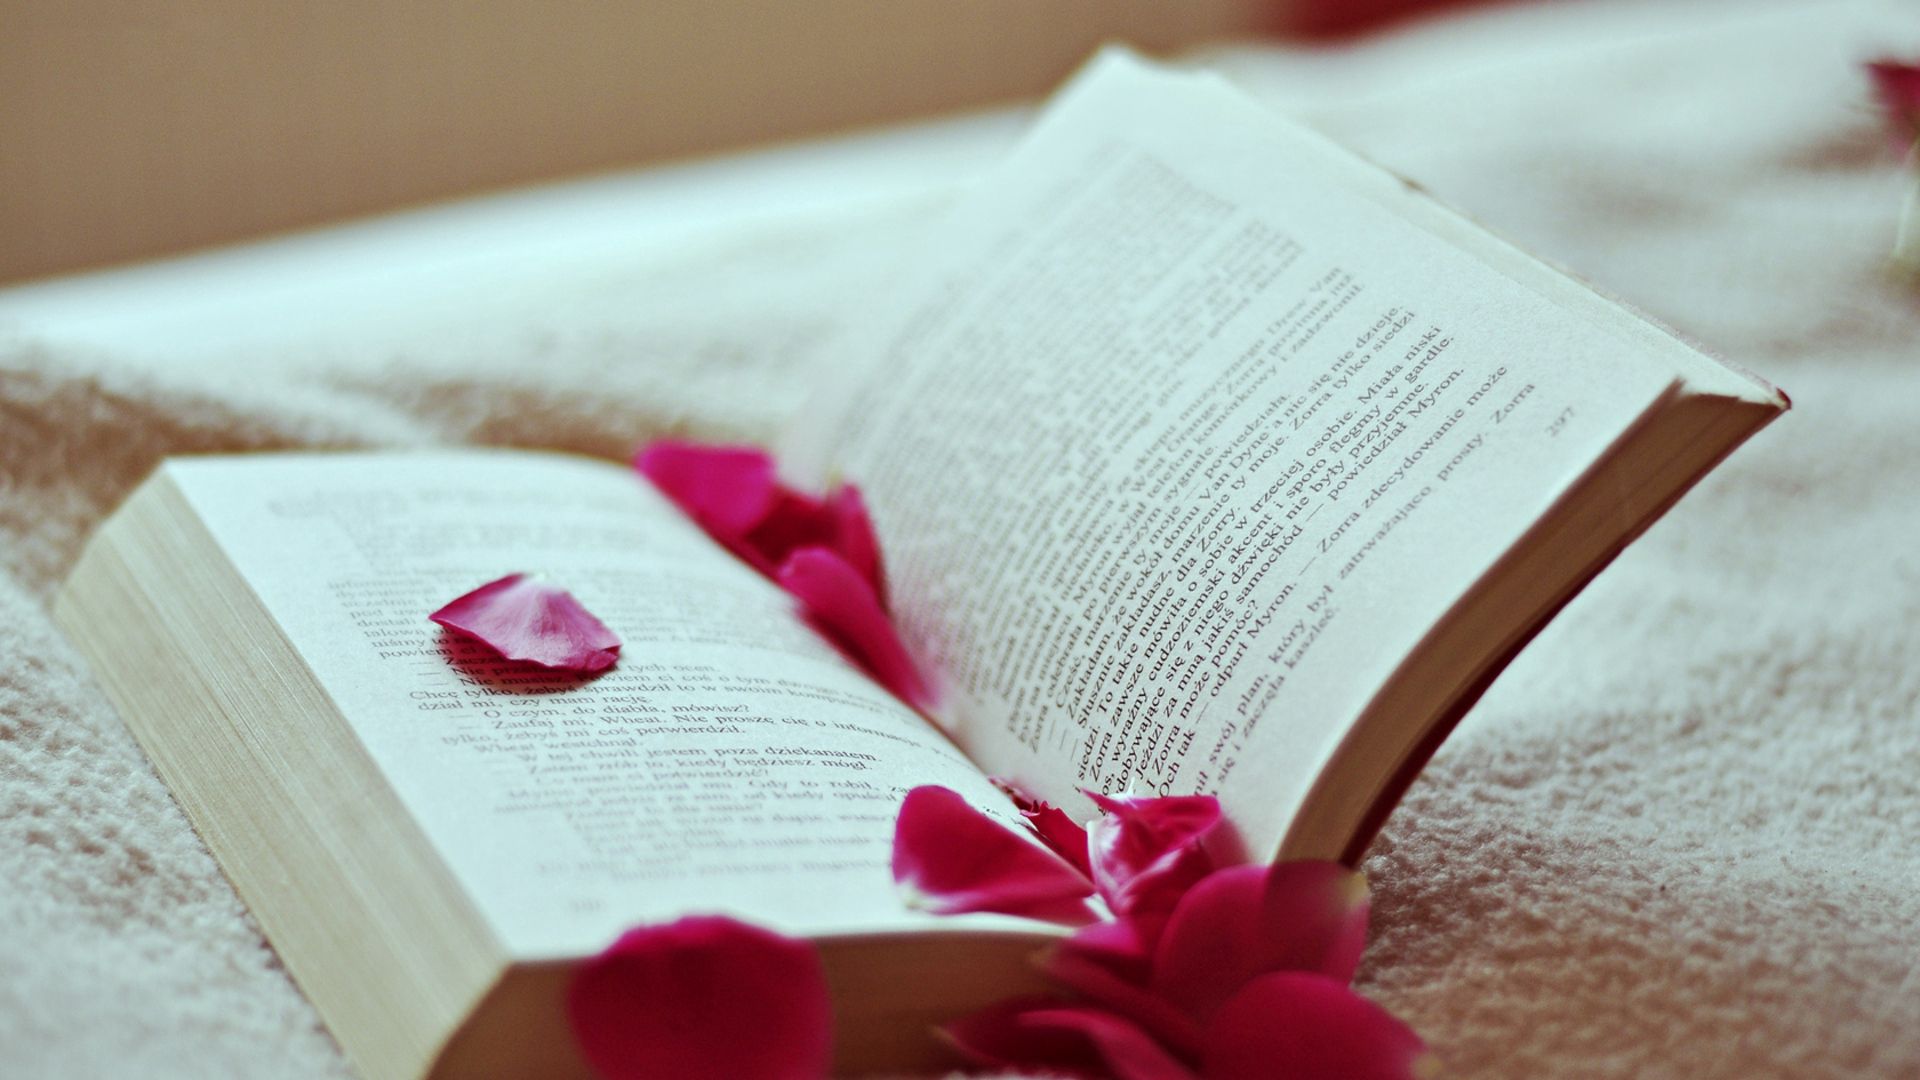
(731, 762)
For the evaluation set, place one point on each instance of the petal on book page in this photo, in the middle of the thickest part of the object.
(1146, 851)
(704, 996)
(996, 1038)
(841, 604)
(1061, 833)
(735, 495)
(1096, 982)
(1308, 1027)
(1248, 921)
(524, 618)
(1051, 824)
(794, 521)
(1897, 85)
(1129, 1053)
(1123, 946)
(855, 540)
(726, 490)
(949, 858)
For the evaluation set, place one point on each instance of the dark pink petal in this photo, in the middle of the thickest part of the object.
(1087, 976)
(1146, 852)
(734, 493)
(1123, 945)
(840, 603)
(1308, 1027)
(950, 858)
(1247, 921)
(524, 618)
(1130, 1054)
(1051, 824)
(1061, 833)
(1897, 85)
(704, 996)
(854, 538)
(793, 521)
(726, 490)
(996, 1038)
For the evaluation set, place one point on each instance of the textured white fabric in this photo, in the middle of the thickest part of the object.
(1677, 839)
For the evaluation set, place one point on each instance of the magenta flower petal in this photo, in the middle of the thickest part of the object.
(793, 521)
(1146, 852)
(726, 490)
(1129, 1053)
(1087, 976)
(1124, 946)
(1247, 921)
(1051, 824)
(854, 538)
(1897, 85)
(524, 618)
(997, 1037)
(1308, 1027)
(841, 604)
(950, 858)
(703, 996)
(1061, 833)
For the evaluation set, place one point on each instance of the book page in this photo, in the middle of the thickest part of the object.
(1185, 439)
(731, 761)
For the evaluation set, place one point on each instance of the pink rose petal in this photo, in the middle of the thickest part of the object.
(726, 490)
(997, 1038)
(1146, 852)
(1247, 921)
(854, 538)
(950, 858)
(1897, 85)
(1051, 824)
(734, 493)
(704, 996)
(1087, 976)
(1061, 833)
(1129, 1053)
(793, 522)
(524, 618)
(841, 604)
(1308, 1027)
(1124, 946)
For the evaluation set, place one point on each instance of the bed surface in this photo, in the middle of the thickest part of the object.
(1676, 839)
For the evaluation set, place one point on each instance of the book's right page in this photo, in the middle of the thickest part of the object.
(1183, 441)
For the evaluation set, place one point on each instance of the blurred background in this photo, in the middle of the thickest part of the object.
(131, 128)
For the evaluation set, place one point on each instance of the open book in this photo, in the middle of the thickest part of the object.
(1206, 458)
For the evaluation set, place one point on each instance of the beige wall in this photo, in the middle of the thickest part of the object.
(135, 127)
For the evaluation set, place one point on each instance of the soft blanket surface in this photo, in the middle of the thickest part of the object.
(1677, 839)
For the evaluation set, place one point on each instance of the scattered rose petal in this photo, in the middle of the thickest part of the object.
(1129, 1053)
(1051, 824)
(841, 604)
(735, 494)
(1248, 921)
(793, 522)
(1146, 851)
(524, 618)
(1309, 1027)
(726, 490)
(855, 540)
(950, 858)
(996, 1038)
(1094, 981)
(1897, 85)
(704, 996)
(1061, 833)
(1124, 947)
